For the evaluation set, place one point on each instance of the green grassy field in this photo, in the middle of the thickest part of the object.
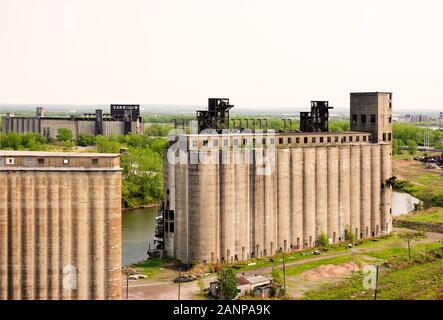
(399, 278)
(432, 215)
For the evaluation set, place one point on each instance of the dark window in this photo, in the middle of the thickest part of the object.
(369, 138)
(350, 138)
(297, 140)
(354, 118)
(306, 139)
(94, 161)
(364, 138)
(313, 139)
(336, 139)
(384, 136)
(390, 119)
(372, 118)
(41, 161)
(264, 141)
(321, 139)
(171, 214)
(205, 143)
(389, 136)
(363, 118)
(357, 138)
(289, 140)
(245, 141)
(171, 227)
(166, 227)
(280, 140)
(329, 139)
(167, 191)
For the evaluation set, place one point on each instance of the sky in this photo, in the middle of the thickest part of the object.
(261, 54)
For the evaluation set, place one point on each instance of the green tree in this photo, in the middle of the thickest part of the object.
(85, 140)
(412, 147)
(350, 236)
(227, 288)
(397, 145)
(324, 240)
(64, 134)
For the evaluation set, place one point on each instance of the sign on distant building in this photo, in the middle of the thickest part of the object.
(118, 110)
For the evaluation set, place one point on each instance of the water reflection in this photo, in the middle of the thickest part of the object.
(402, 203)
(138, 227)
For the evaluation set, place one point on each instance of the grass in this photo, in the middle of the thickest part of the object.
(432, 215)
(422, 278)
(149, 267)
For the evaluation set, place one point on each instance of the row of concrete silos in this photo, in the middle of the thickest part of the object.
(233, 212)
(60, 235)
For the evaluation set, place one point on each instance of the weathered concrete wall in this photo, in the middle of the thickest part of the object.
(235, 213)
(52, 221)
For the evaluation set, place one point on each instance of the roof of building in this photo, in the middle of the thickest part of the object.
(14, 153)
(252, 279)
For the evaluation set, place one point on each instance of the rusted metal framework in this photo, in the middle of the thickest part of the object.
(217, 115)
(318, 119)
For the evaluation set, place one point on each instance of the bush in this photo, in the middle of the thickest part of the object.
(323, 240)
(277, 274)
(64, 134)
(227, 280)
(85, 140)
(350, 236)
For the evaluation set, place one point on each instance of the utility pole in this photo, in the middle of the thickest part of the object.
(376, 283)
(179, 280)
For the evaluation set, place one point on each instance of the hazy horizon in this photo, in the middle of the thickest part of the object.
(262, 55)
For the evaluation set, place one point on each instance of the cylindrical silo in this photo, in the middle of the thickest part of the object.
(375, 190)
(181, 205)
(66, 234)
(242, 200)
(344, 191)
(365, 219)
(283, 201)
(321, 204)
(228, 230)
(386, 192)
(41, 191)
(297, 196)
(270, 212)
(53, 236)
(309, 196)
(4, 240)
(355, 189)
(333, 194)
(28, 254)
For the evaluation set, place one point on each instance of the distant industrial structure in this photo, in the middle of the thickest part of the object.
(60, 225)
(217, 208)
(411, 118)
(123, 119)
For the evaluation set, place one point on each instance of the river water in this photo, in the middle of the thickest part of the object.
(138, 227)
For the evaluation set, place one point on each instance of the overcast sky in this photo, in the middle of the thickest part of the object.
(258, 53)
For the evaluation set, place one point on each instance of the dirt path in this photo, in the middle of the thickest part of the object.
(297, 285)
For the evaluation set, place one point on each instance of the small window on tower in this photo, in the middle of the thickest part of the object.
(41, 161)
(354, 118)
(372, 118)
(390, 119)
(321, 139)
(306, 140)
(384, 136)
(280, 140)
(94, 161)
(363, 118)
(389, 136)
(313, 140)
(297, 140)
(289, 140)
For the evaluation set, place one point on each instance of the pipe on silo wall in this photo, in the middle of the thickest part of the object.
(14, 236)
(333, 194)
(365, 215)
(283, 201)
(297, 187)
(355, 190)
(309, 200)
(344, 191)
(4, 240)
(321, 182)
(375, 189)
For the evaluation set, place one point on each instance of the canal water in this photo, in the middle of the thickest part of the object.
(138, 227)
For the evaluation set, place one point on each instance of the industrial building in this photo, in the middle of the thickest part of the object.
(322, 182)
(60, 225)
(123, 119)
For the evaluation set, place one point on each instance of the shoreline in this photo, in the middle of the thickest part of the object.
(144, 206)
